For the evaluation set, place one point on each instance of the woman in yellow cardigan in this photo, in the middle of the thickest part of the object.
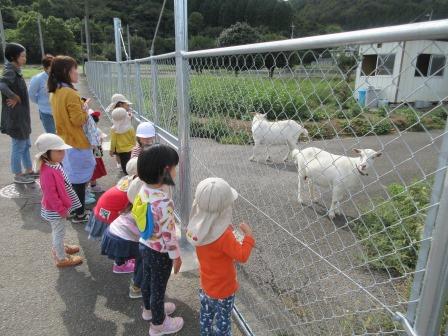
(69, 117)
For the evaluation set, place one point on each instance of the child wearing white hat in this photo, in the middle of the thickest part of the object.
(146, 135)
(119, 100)
(122, 136)
(217, 248)
(58, 196)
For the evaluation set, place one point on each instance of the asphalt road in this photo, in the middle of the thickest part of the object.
(38, 299)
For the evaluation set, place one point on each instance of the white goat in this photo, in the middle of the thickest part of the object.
(269, 133)
(329, 170)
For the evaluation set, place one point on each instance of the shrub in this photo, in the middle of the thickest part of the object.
(237, 138)
(381, 125)
(320, 131)
(358, 126)
(389, 234)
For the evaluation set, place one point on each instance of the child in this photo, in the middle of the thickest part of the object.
(120, 241)
(119, 100)
(100, 169)
(58, 197)
(146, 135)
(122, 136)
(217, 249)
(153, 211)
(108, 208)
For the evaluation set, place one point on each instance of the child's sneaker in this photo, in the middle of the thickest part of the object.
(169, 309)
(134, 291)
(71, 249)
(69, 261)
(90, 200)
(97, 189)
(127, 267)
(80, 219)
(171, 325)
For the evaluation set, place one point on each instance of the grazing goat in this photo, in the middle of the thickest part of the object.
(329, 170)
(269, 133)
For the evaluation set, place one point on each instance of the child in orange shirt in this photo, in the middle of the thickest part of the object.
(217, 248)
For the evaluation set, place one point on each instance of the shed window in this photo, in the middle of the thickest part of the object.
(378, 65)
(430, 65)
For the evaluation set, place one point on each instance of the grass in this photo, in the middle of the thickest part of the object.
(29, 71)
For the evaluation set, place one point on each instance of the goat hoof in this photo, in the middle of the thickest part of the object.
(252, 159)
(331, 215)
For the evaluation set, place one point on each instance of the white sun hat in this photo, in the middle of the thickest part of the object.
(146, 130)
(116, 98)
(211, 213)
(49, 141)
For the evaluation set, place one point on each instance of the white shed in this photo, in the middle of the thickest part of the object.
(405, 71)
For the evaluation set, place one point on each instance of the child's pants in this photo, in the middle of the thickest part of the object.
(219, 310)
(124, 159)
(58, 233)
(156, 272)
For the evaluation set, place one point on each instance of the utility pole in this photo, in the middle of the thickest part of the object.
(129, 41)
(42, 50)
(86, 21)
(2, 33)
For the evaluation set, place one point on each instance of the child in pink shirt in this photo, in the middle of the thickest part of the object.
(58, 196)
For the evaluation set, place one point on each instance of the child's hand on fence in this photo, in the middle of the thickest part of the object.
(177, 263)
(245, 228)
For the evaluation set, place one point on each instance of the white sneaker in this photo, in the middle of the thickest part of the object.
(171, 325)
(169, 309)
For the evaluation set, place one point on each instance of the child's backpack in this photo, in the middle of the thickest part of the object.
(142, 213)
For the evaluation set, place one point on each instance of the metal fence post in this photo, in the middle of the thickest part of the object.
(154, 91)
(138, 89)
(180, 13)
(117, 27)
(434, 289)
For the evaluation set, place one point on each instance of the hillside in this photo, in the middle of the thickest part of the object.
(64, 30)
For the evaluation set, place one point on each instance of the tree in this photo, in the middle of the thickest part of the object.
(196, 23)
(139, 47)
(237, 34)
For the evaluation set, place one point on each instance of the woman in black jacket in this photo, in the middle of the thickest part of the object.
(15, 117)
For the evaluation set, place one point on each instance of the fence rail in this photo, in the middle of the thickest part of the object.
(351, 257)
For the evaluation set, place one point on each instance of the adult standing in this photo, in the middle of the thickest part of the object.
(38, 93)
(69, 116)
(15, 117)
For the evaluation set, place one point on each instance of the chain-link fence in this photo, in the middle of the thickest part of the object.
(345, 224)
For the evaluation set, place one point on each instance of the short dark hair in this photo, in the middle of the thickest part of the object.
(13, 51)
(46, 61)
(153, 164)
(60, 72)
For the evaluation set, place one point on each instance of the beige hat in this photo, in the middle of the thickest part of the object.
(116, 98)
(134, 189)
(49, 141)
(211, 214)
(131, 166)
(121, 120)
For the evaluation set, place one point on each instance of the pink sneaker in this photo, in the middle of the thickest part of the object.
(127, 267)
(171, 325)
(97, 189)
(169, 309)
